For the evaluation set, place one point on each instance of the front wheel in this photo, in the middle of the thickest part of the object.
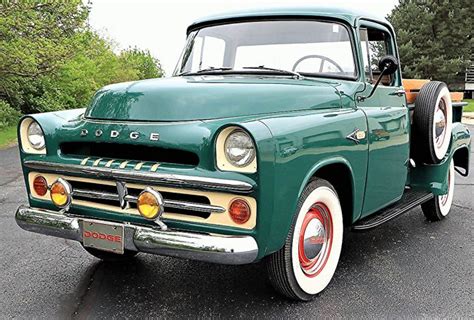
(438, 208)
(307, 262)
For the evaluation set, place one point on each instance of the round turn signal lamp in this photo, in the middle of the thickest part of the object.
(40, 185)
(239, 211)
(61, 193)
(150, 204)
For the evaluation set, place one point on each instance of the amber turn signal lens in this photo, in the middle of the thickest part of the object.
(239, 211)
(40, 185)
(61, 193)
(150, 204)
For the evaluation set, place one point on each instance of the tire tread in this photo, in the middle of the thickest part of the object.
(423, 118)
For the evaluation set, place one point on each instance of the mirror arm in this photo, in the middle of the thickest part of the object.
(362, 98)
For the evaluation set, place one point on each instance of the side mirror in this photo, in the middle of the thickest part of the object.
(387, 66)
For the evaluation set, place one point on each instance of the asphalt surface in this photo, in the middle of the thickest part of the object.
(406, 268)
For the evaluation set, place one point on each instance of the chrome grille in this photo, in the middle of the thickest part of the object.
(122, 196)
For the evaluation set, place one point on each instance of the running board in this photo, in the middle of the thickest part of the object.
(409, 200)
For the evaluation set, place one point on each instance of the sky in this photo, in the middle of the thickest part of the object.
(160, 26)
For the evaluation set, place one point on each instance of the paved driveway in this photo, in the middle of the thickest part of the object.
(406, 268)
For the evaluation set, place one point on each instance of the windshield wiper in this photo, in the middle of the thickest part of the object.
(207, 70)
(292, 73)
(226, 70)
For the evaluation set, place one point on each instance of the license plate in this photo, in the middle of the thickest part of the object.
(103, 236)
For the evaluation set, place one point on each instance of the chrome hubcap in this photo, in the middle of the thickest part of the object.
(315, 239)
(440, 123)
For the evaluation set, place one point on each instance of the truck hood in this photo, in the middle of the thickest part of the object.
(209, 97)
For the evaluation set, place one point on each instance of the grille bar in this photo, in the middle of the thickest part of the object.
(184, 205)
(167, 179)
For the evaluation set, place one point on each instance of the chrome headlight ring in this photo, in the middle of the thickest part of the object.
(32, 137)
(235, 150)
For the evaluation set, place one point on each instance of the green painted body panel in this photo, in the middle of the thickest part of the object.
(299, 126)
(388, 121)
(435, 177)
(201, 98)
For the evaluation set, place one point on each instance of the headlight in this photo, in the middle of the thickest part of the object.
(35, 136)
(239, 148)
(235, 151)
(32, 137)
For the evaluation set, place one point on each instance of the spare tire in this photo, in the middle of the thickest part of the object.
(432, 123)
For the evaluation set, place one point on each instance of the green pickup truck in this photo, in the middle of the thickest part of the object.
(279, 130)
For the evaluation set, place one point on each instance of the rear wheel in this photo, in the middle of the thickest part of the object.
(307, 262)
(110, 256)
(438, 208)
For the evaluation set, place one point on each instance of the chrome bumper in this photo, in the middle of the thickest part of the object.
(204, 247)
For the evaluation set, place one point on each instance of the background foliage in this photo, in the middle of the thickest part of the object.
(435, 38)
(50, 59)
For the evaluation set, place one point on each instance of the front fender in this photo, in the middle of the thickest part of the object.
(304, 143)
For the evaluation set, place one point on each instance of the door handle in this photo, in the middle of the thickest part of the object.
(399, 93)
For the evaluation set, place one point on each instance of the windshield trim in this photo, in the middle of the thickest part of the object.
(193, 30)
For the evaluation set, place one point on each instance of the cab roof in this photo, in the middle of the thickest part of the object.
(344, 14)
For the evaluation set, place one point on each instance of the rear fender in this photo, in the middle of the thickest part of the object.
(434, 177)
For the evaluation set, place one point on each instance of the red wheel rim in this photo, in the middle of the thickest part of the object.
(315, 239)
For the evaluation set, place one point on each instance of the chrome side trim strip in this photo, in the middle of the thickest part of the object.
(192, 206)
(196, 246)
(167, 179)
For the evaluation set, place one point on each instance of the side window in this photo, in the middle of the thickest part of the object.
(375, 44)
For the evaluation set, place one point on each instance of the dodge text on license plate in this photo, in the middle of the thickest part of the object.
(103, 236)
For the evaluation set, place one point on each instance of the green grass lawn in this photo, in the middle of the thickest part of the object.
(470, 106)
(7, 136)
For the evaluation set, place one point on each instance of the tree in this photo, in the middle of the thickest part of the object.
(143, 62)
(35, 40)
(50, 59)
(435, 38)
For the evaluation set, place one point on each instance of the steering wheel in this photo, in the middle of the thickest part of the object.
(323, 60)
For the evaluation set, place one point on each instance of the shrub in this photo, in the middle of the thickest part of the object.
(8, 115)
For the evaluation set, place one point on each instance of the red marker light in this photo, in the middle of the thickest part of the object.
(40, 185)
(239, 211)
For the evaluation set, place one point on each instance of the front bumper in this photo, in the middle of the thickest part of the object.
(196, 246)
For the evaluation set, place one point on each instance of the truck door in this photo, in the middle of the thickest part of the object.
(387, 120)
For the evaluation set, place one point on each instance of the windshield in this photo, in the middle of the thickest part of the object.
(312, 48)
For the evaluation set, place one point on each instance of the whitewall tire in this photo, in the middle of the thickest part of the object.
(432, 123)
(307, 262)
(439, 207)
